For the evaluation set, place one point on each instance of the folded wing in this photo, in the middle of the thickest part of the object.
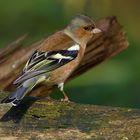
(45, 62)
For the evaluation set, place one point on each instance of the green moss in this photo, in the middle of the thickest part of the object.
(48, 110)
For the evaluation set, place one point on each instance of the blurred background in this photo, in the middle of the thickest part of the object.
(115, 82)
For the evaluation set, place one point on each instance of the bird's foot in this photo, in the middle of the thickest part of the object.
(66, 99)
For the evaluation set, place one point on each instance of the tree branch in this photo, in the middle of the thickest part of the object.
(56, 120)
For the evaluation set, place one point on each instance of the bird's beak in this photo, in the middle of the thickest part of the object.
(96, 31)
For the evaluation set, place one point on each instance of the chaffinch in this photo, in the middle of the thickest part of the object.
(55, 59)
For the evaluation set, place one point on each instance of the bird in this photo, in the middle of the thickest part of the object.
(55, 59)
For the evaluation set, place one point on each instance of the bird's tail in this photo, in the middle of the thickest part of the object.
(15, 97)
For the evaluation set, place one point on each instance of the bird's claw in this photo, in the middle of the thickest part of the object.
(65, 100)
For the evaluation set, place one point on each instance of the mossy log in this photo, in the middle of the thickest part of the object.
(54, 120)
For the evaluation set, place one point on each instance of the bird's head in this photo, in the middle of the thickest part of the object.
(81, 29)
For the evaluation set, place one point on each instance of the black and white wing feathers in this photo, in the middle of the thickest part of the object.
(45, 62)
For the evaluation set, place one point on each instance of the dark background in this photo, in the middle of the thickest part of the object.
(115, 82)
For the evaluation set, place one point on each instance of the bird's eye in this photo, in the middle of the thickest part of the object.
(86, 28)
(89, 28)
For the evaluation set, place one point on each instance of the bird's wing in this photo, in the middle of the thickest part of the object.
(45, 62)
